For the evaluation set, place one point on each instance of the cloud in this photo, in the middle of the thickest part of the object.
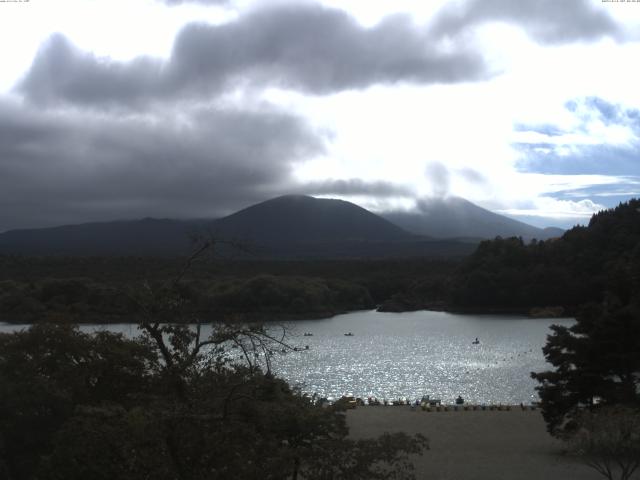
(605, 139)
(609, 113)
(440, 178)
(57, 168)
(62, 73)
(204, 2)
(472, 176)
(608, 195)
(319, 50)
(355, 186)
(305, 47)
(553, 208)
(546, 21)
(584, 159)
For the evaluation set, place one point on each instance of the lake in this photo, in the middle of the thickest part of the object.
(393, 355)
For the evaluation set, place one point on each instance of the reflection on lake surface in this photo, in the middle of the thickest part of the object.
(420, 353)
(393, 355)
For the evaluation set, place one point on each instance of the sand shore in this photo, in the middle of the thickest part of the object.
(475, 445)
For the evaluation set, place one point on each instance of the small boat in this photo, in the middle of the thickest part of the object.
(307, 334)
(348, 334)
(476, 341)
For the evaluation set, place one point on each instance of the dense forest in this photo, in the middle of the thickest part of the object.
(551, 277)
(104, 289)
(586, 264)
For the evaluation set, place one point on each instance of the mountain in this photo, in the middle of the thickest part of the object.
(297, 226)
(285, 227)
(148, 236)
(302, 219)
(455, 217)
(291, 226)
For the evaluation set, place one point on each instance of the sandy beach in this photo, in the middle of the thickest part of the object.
(475, 445)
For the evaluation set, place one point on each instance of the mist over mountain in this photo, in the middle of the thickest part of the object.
(291, 226)
(288, 226)
(455, 217)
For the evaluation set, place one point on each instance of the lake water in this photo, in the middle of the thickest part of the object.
(393, 355)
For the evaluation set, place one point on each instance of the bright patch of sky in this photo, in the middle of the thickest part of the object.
(545, 127)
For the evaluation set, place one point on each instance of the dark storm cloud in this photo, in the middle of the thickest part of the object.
(356, 186)
(546, 21)
(56, 169)
(316, 49)
(61, 72)
(305, 47)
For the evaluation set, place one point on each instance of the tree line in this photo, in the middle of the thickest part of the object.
(76, 289)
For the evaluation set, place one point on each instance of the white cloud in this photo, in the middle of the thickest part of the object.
(560, 209)
(391, 133)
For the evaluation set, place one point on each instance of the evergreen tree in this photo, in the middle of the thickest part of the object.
(596, 360)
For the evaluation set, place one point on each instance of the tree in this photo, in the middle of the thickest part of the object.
(596, 360)
(170, 404)
(48, 371)
(608, 440)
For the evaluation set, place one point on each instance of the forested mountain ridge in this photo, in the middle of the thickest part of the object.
(291, 227)
(148, 236)
(586, 264)
(288, 227)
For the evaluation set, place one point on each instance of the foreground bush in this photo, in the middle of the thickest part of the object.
(168, 405)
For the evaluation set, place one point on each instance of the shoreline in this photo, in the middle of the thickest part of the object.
(475, 445)
(265, 317)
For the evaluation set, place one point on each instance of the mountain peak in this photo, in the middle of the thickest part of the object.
(456, 217)
(300, 218)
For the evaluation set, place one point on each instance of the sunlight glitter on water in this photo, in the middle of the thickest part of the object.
(419, 353)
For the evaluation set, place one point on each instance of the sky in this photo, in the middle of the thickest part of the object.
(123, 109)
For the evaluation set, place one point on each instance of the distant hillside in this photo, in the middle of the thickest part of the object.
(284, 227)
(298, 218)
(297, 226)
(455, 217)
(148, 236)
